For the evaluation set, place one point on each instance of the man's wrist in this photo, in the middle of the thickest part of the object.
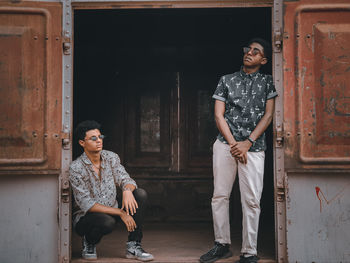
(127, 188)
(251, 141)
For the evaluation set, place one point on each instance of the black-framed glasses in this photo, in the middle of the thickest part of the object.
(255, 51)
(94, 138)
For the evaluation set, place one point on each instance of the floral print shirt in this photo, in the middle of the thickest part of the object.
(87, 187)
(245, 97)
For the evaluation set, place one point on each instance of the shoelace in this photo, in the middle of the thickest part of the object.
(138, 247)
(90, 248)
(213, 250)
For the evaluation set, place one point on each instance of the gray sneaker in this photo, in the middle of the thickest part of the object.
(89, 250)
(135, 251)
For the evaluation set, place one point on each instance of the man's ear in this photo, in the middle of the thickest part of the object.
(81, 142)
(264, 61)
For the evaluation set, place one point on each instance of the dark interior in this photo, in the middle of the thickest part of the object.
(147, 76)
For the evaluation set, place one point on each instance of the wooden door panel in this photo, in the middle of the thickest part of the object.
(30, 86)
(147, 129)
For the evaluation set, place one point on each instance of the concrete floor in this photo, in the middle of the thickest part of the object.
(172, 243)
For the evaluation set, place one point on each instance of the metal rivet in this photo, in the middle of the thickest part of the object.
(65, 243)
(35, 37)
(281, 243)
(65, 213)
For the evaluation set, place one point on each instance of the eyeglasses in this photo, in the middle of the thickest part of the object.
(94, 138)
(255, 51)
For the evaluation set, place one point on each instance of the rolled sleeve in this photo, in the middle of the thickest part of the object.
(221, 90)
(271, 90)
(122, 178)
(81, 192)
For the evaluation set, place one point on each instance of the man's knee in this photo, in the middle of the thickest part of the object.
(140, 195)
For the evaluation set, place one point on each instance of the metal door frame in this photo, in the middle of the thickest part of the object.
(69, 6)
(65, 209)
(280, 181)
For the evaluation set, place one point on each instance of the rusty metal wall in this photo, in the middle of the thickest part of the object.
(30, 130)
(316, 130)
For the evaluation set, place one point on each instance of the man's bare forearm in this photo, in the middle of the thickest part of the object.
(98, 208)
(265, 120)
(221, 123)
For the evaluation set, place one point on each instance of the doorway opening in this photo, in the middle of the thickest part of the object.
(148, 76)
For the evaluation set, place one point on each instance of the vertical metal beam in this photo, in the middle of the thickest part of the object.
(280, 182)
(67, 106)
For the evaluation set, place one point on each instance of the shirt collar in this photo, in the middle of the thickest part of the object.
(246, 75)
(87, 160)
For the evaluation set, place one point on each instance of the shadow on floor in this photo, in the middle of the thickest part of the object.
(171, 243)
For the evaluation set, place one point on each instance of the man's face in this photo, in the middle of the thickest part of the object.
(92, 141)
(255, 56)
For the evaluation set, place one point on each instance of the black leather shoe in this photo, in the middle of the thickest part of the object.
(217, 252)
(251, 259)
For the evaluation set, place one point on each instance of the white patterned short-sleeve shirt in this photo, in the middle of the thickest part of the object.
(245, 96)
(88, 189)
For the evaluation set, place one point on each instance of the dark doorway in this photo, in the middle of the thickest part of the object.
(148, 76)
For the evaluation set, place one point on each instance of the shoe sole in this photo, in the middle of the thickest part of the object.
(93, 258)
(131, 256)
(227, 255)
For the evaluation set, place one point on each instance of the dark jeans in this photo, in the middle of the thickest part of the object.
(95, 225)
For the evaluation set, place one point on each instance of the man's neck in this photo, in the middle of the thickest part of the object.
(250, 70)
(94, 157)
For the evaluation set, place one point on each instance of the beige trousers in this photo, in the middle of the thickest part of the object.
(250, 176)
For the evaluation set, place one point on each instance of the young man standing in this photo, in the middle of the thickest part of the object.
(244, 106)
(93, 177)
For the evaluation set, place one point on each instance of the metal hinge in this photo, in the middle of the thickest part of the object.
(65, 140)
(277, 40)
(279, 135)
(281, 191)
(65, 192)
(66, 46)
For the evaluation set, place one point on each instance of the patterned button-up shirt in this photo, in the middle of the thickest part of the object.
(87, 187)
(245, 97)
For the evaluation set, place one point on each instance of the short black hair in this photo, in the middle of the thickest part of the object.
(266, 45)
(84, 126)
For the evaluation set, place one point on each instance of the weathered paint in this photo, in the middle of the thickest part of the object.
(30, 130)
(318, 219)
(29, 229)
(316, 130)
(30, 102)
(316, 52)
